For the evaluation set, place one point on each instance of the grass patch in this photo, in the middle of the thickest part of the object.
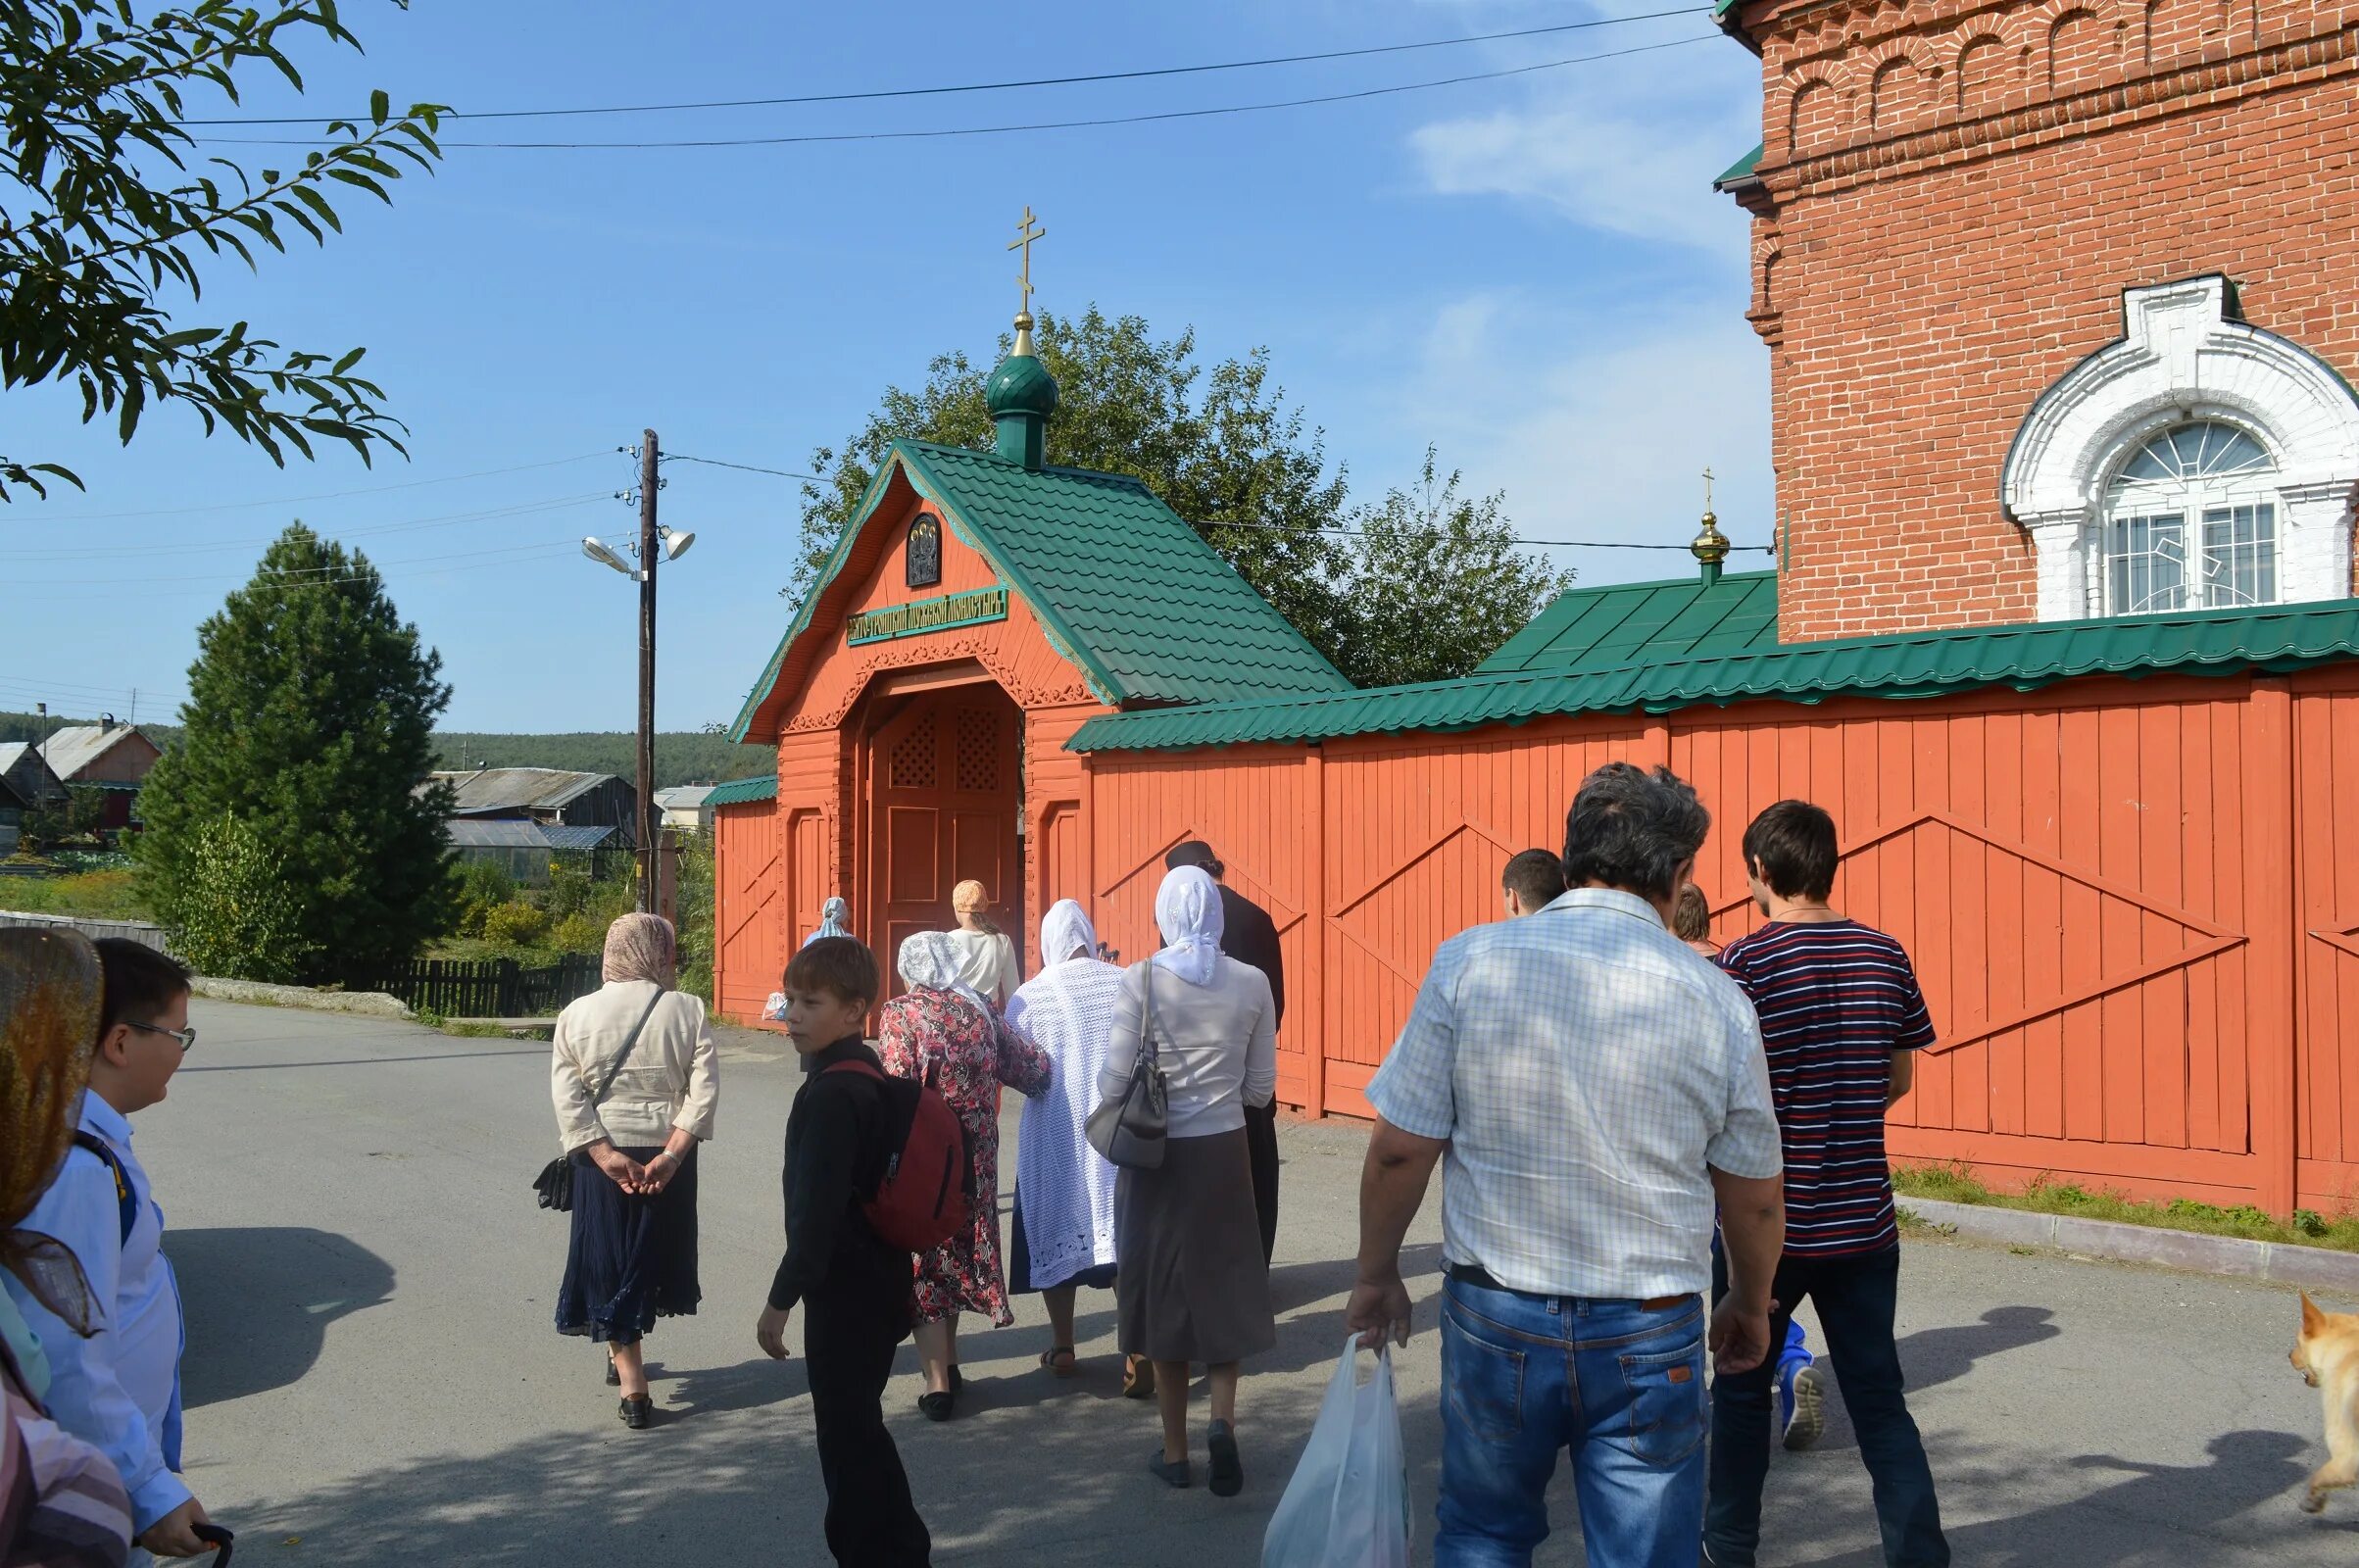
(1957, 1184)
(91, 896)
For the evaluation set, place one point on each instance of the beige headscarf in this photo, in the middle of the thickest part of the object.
(49, 1008)
(972, 897)
(641, 947)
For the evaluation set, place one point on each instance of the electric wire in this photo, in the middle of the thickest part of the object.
(814, 137)
(521, 509)
(324, 495)
(872, 94)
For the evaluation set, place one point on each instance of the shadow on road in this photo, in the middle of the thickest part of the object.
(1934, 1356)
(259, 1300)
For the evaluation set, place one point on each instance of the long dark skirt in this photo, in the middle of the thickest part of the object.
(1191, 1284)
(631, 1259)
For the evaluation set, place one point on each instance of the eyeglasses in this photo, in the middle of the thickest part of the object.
(187, 1037)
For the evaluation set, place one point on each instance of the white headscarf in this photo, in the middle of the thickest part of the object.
(1187, 910)
(1066, 933)
(930, 961)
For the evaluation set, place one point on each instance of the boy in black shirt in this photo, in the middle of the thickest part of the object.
(853, 1287)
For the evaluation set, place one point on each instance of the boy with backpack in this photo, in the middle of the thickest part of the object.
(844, 1140)
(120, 1389)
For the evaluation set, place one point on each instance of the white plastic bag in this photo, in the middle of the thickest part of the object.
(1347, 1505)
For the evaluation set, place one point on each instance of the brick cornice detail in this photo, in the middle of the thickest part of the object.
(2207, 84)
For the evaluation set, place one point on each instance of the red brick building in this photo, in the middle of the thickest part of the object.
(1997, 249)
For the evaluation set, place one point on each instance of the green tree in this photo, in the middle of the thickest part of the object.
(311, 716)
(232, 913)
(55, 822)
(105, 218)
(1434, 584)
(1219, 447)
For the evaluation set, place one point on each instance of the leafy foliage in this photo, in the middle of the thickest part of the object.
(694, 906)
(311, 718)
(515, 924)
(483, 886)
(232, 913)
(1219, 448)
(1435, 584)
(93, 106)
(55, 822)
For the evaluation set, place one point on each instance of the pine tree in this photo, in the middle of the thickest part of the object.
(311, 718)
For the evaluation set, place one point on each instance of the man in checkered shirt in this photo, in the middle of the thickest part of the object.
(1597, 1087)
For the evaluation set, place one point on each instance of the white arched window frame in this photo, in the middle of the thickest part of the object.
(2186, 360)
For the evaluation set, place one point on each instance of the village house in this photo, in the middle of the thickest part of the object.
(2061, 628)
(109, 757)
(27, 784)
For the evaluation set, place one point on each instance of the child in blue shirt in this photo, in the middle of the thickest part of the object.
(120, 1389)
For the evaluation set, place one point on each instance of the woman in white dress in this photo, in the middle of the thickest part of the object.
(1065, 1189)
(986, 957)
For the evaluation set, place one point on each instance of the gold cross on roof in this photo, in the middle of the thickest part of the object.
(1707, 489)
(1025, 233)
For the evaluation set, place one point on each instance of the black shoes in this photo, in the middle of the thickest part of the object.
(1228, 1471)
(1177, 1476)
(938, 1406)
(637, 1413)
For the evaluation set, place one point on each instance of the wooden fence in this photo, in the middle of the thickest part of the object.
(486, 988)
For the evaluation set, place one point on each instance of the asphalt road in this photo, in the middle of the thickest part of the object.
(371, 1376)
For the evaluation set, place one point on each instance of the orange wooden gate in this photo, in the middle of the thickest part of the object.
(947, 791)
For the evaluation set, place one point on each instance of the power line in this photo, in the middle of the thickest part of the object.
(1001, 130)
(324, 495)
(744, 468)
(519, 508)
(875, 94)
(302, 574)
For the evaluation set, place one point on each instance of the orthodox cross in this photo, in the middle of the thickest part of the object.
(1707, 489)
(1025, 233)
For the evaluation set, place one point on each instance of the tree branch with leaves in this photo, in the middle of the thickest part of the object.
(91, 241)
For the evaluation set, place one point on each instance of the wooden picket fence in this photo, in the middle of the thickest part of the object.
(486, 988)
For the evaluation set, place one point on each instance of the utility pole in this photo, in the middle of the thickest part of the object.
(649, 554)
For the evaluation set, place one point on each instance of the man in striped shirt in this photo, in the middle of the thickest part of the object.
(1841, 1018)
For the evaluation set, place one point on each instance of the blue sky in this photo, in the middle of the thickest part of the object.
(1532, 273)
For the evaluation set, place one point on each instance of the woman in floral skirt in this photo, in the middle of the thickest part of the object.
(941, 1033)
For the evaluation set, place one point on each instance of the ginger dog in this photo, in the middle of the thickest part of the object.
(2326, 1355)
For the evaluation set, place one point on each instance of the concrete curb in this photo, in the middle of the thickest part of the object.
(371, 1004)
(2315, 1267)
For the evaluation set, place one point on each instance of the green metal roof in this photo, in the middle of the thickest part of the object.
(1150, 611)
(740, 791)
(1742, 169)
(2275, 638)
(1644, 623)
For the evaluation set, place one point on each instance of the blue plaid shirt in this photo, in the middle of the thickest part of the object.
(1586, 1067)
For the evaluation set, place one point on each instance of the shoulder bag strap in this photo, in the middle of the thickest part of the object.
(1147, 1049)
(629, 1046)
(127, 1202)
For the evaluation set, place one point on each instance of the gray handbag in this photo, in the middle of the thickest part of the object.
(1128, 1128)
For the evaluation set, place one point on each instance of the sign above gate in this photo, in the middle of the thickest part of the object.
(927, 615)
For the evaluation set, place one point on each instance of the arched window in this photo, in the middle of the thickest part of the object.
(2201, 462)
(2191, 522)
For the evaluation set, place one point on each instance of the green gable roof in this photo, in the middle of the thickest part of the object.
(2272, 638)
(1147, 610)
(1644, 623)
(740, 791)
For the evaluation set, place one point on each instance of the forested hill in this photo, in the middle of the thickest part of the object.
(684, 758)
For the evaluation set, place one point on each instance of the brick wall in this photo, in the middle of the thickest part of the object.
(1952, 200)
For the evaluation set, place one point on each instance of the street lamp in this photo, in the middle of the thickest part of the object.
(655, 543)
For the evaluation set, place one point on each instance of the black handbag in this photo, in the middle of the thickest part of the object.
(1128, 1129)
(555, 1183)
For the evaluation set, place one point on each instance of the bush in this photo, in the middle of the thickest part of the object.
(230, 911)
(515, 924)
(483, 886)
(579, 933)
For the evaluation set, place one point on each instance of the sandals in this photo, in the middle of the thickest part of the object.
(1228, 1471)
(638, 1413)
(1058, 1362)
(1138, 1378)
(1178, 1477)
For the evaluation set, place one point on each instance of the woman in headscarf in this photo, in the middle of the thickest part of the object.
(832, 915)
(1065, 1189)
(1191, 1284)
(986, 957)
(61, 1504)
(942, 1032)
(632, 1255)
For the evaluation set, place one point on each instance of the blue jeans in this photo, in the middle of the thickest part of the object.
(1856, 1297)
(1618, 1383)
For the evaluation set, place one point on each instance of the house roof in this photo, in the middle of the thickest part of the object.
(1129, 591)
(471, 833)
(682, 797)
(13, 754)
(1644, 624)
(517, 788)
(72, 749)
(742, 791)
(2273, 638)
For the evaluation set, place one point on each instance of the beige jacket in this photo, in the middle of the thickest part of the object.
(673, 1079)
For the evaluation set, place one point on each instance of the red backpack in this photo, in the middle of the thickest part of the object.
(926, 1195)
